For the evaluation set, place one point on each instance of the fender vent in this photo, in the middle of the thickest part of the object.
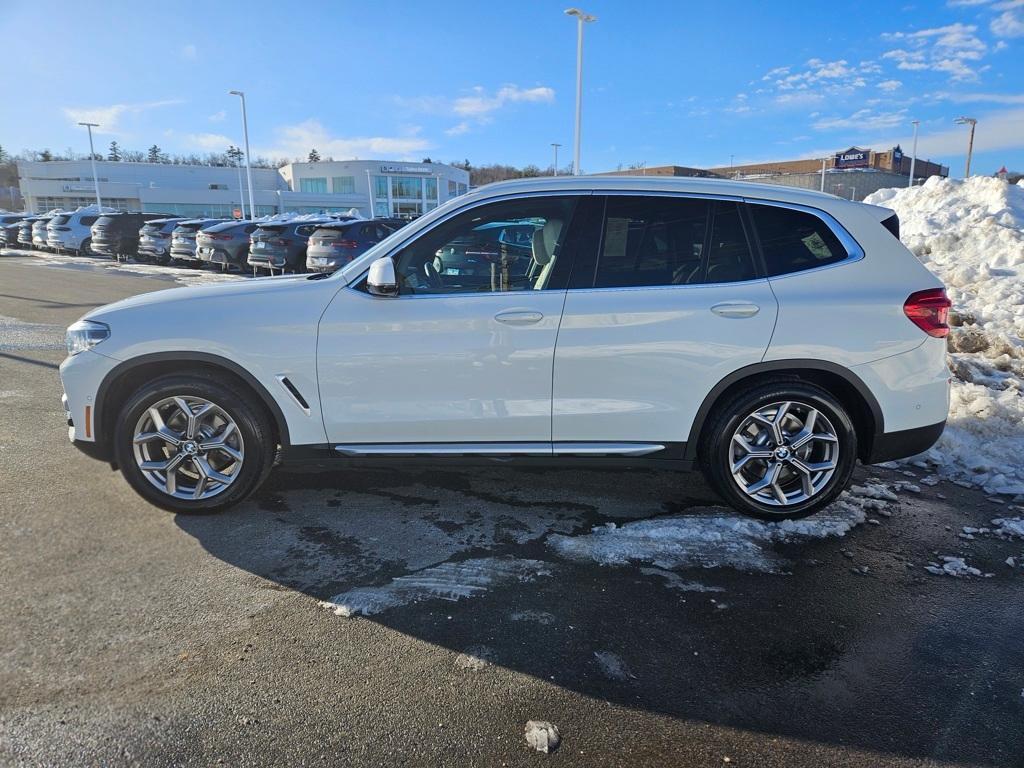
(296, 395)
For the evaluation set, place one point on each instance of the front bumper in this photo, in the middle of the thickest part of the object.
(81, 376)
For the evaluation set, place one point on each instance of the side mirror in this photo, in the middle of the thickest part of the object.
(382, 281)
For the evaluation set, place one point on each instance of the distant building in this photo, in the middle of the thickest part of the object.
(399, 188)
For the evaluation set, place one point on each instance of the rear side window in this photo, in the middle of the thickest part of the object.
(650, 241)
(88, 221)
(793, 240)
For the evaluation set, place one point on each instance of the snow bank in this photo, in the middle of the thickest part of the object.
(971, 235)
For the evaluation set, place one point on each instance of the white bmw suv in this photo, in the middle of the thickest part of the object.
(769, 336)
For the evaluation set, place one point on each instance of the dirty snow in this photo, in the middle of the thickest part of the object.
(956, 567)
(970, 233)
(542, 735)
(710, 537)
(612, 665)
(181, 275)
(1008, 527)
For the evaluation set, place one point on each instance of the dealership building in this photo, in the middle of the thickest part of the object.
(852, 173)
(372, 187)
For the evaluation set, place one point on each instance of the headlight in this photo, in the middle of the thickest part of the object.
(86, 334)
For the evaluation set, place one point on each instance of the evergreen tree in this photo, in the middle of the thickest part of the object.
(235, 154)
(314, 156)
(115, 152)
(4, 156)
(46, 156)
(155, 155)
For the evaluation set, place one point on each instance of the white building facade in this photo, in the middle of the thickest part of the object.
(373, 187)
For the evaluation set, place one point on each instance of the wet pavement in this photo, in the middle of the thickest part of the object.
(421, 616)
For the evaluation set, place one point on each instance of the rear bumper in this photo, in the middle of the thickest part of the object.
(889, 446)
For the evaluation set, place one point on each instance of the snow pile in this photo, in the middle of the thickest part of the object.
(1009, 527)
(709, 538)
(971, 235)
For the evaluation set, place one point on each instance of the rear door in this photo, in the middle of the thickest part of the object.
(665, 301)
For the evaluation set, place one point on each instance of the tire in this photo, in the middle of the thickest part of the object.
(85, 248)
(244, 470)
(808, 477)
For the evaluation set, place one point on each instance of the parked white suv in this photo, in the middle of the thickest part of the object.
(72, 231)
(769, 336)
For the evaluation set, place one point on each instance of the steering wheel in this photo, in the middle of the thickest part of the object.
(432, 275)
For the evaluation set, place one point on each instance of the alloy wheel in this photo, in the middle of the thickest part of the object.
(188, 447)
(783, 454)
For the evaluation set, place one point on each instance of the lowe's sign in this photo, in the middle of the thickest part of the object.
(852, 158)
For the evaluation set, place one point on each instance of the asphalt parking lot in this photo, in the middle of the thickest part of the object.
(423, 616)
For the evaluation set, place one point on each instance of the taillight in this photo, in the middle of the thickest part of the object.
(164, 235)
(345, 243)
(929, 311)
(209, 236)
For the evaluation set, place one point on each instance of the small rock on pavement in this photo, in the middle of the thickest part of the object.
(542, 735)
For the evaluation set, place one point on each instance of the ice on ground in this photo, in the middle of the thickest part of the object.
(475, 659)
(183, 276)
(612, 665)
(970, 233)
(709, 538)
(447, 581)
(957, 567)
(673, 581)
(542, 735)
(1008, 527)
(17, 334)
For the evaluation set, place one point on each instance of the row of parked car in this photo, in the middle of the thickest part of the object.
(315, 243)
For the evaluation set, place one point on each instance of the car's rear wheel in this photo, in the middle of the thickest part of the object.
(193, 444)
(780, 451)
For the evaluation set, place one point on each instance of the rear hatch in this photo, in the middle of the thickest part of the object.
(56, 226)
(105, 233)
(269, 241)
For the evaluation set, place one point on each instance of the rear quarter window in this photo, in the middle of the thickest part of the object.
(794, 241)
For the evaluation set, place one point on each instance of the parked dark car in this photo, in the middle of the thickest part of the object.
(9, 224)
(335, 244)
(183, 239)
(487, 250)
(155, 240)
(226, 244)
(117, 234)
(282, 244)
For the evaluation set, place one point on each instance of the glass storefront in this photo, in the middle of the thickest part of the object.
(317, 185)
(343, 185)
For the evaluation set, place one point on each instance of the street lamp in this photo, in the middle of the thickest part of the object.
(913, 155)
(970, 141)
(248, 164)
(581, 19)
(92, 157)
(555, 166)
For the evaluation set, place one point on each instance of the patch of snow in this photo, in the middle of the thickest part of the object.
(542, 735)
(1008, 527)
(448, 581)
(179, 274)
(709, 538)
(970, 233)
(475, 659)
(956, 567)
(674, 581)
(539, 617)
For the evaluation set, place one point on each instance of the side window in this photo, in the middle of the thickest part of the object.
(652, 241)
(794, 240)
(729, 256)
(304, 231)
(88, 221)
(367, 231)
(507, 246)
(250, 229)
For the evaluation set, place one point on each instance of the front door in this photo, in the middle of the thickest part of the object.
(465, 353)
(664, 304)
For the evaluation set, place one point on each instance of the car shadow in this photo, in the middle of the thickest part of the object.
(810, 652)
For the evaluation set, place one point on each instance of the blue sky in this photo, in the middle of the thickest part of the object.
(665, 82)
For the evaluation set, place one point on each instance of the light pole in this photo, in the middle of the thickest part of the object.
(970, 141)
(241, 192)
(581, 19)
(92, 157)
(913, 154)
(555, 166)
(248, 163)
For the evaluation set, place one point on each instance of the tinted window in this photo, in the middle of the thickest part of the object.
(88, 221)
(794, 240)
(508, 246)
(650, 241)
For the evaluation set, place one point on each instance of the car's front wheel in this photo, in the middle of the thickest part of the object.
(193, 444)
(780, 451)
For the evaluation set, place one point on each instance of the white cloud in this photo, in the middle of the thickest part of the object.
(296, 141)
(109, 117)
(991, 98)
(939, 49)
(480, 104)
(211, 142)
(458, 129)
(862, 119)
(890, 85)
(189, 52)
(218, 117)
(1009, 23)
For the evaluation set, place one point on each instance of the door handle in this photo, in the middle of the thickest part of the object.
(735, 309)
(519, 318)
